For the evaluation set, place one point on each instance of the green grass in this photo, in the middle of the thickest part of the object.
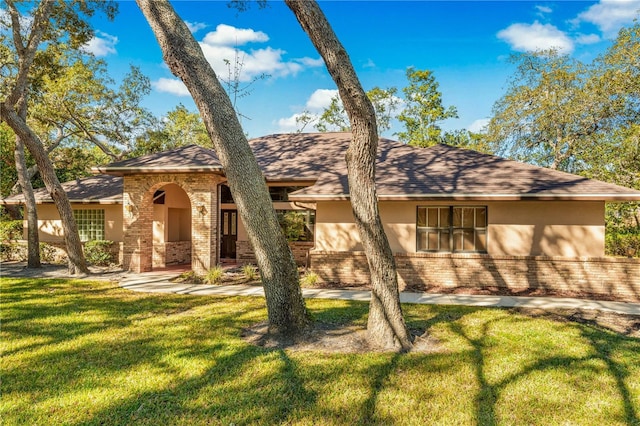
(90, 353)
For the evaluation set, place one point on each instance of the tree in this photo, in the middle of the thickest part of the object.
(542, 118)
(285, 306)
(423, 110)
(48, 22)
(334, 117)
(180, 127)
(386, 327)
(582, 118)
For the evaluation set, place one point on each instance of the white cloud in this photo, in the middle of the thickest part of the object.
(171, 85)
(369, 64)
(536, 36)
(226, 35)
(194, 27)
(587, 38)
(320, 99)
(102, 44)
(311, 62)
(220, 47)
(479, 125)
(291, 124)
(610, 15)
(314, 106)
(543, 9)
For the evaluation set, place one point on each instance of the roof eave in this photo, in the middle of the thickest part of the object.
(73, 201)
(121, 171)
(614, 198)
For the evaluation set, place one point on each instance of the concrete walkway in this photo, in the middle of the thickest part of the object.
(159, 283)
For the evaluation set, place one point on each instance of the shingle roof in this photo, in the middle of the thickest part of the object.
(102, 189)
(440, 172)
(402, 172)
(191, 158)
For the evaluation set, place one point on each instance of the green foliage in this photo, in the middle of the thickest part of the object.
(12, 251)
(309, 279)
(179, 127)
(250, 272)
(11, 230)
(51, 254)
(8, 173)
(334, 117)
(214, 275)
(622, 244)
(100, 252)
(582, 118)
(294, 225)
(423, 110)
(189, 277)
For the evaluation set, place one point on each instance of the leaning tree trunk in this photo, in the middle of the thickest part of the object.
(17, 99)
(72, 239)
(386, 326)
(285, 305)
(33, 239)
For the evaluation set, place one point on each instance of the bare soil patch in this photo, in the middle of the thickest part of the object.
(330, 338)
(626, 325)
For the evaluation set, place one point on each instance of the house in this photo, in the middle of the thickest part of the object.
(453, 217)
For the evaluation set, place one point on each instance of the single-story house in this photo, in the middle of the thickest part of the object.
(453, 217)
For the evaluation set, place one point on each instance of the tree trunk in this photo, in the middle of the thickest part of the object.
(77, 262)
(285, 305)
(386, 327)
(31, 213)
(17, 99)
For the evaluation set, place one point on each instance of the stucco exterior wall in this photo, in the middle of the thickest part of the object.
(50, 225)
(517, 228)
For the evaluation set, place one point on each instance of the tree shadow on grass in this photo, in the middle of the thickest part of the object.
(603, 344)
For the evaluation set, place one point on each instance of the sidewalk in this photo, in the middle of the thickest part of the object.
(159, 283)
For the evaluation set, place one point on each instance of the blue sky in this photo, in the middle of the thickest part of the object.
(465, 43)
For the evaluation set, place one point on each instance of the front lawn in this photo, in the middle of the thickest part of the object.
(89, 352)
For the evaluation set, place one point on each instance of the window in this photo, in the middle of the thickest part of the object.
(90, 224)
(297, 225)
(452, 229)
(158, 197)
(281, 193)
(225, 195)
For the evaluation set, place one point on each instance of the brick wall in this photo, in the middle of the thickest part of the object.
(245, 255)
(171, 253)
(618, 278)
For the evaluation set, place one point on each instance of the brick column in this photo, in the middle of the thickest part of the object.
(137, 223)
(204, 224)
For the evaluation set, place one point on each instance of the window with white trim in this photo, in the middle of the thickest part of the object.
(452, 229)
(90, 224)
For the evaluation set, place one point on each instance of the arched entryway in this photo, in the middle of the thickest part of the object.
(171, 227)
(188, 217)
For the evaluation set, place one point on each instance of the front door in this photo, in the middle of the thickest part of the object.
(228, 234)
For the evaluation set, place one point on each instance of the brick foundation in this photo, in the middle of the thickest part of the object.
(171, 253)
(618, 278)
(245, 255)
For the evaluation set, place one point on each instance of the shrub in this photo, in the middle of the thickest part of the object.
(214, 275)
(10, 230)
(99, 252)
(617, 244)
(250, 272)
(189, 277)
(309, 279)
(10, 250)
(51, 254)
